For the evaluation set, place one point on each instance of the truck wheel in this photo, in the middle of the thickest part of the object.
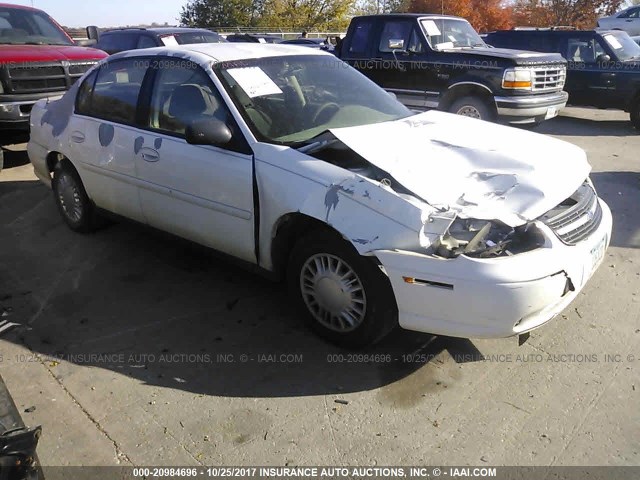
(474, 107)
(72, 199)
(346, 298)
(635, 113)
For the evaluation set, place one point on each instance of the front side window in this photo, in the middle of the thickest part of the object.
(116, 90)
(118, 42)
(28, 27)
(631, 13)
(292, 99)
(183, 94)
(396, 33)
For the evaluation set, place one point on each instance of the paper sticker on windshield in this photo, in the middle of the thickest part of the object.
(261, 40)
(613, 41)
(431, 28)
(169, 41)
(254, 81)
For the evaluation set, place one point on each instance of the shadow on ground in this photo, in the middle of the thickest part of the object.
(573, 126)
(168, 313)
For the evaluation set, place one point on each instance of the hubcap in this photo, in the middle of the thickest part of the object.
(69, 197)
(333, 292)
(469, 111)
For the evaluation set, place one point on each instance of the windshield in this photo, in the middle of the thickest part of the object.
(290, 100)
(29, 27)
(198, 37)
(443, 33)
(623, 46)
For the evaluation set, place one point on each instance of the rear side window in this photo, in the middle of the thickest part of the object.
(146, 41)
(117, 42)
(116, 90)
(360, 36)
(83, 99)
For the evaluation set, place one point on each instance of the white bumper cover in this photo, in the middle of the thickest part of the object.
(491, 298)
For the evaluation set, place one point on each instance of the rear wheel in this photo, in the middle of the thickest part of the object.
(72, 200)
(635, 113)
(474, 107)
(346, 297)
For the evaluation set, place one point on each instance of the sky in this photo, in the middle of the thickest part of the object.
(108, 13)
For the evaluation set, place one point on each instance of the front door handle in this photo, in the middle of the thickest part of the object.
(77, 137)
(149, 154)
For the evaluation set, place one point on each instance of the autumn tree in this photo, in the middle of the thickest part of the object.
(306, 14)
(484, 15)
(577, 13)
(220, 13)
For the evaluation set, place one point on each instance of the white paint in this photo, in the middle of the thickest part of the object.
(489, 172)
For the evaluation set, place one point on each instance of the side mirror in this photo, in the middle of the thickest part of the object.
(603, 58)
(396, 44)
(93, 33)
(208, 132)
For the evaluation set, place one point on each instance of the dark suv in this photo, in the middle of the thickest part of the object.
(603, 65)
(121, 39)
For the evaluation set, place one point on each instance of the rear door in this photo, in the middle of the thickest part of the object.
(101, 135)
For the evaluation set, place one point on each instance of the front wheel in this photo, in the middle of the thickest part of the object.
(474, 107)
(347, 299)
(634, 115)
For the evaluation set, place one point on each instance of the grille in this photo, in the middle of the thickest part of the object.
(549, 78)
(49, 77)
(576, 218)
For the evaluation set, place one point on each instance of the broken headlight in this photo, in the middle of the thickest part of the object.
(487, 239)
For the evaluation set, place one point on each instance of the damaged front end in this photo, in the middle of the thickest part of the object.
(487, 239)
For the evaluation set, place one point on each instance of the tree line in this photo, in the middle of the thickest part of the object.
(334, 15)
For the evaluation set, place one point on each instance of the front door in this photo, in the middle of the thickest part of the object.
(200, 192)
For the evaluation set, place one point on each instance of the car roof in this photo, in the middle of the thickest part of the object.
(410, 15)
(547, 31)
(158, 30)
(224, 52)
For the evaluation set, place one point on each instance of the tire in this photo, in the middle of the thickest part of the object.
(72, 200)
(634, 115)
(474, 107)
(321, 266)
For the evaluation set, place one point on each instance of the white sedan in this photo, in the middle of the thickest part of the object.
(295, 163)
(627, 20)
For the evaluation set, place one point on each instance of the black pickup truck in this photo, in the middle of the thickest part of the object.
(604, 66)
(438, 61)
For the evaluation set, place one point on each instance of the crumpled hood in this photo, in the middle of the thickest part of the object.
(479, 169)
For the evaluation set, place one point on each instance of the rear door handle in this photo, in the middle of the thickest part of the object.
(77, 137)
(149, 154)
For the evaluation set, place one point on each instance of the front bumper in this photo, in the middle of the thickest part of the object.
(531, 108)
(492, 298)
